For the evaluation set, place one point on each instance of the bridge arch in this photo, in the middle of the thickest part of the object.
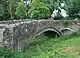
(26, 44)
(58, 33)
(67, 31)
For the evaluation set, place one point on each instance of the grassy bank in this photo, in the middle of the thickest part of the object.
(49, 47)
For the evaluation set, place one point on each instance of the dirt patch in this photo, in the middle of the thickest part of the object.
(77, 52)
(68, 49)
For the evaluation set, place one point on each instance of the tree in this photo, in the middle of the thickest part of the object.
(12, 7)
(4, 6)
(1, 11)
(73, 7)
(39, 10)
(21, 10)
(50, 4)
(8, 8)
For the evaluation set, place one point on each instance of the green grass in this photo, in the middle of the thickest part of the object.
(49, 47)
(8, 53)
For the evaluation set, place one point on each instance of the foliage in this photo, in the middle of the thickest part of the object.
(5, 15)
(11, 4)
(21, 10)
(74, 8)
(75, 1)
(71, 6)
(39, 10)
(1, 11)
(49, 47)
(10, 9)
(50, 4)
(7, 53)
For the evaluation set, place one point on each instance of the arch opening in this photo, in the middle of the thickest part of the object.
(67, 31)
(50, 34)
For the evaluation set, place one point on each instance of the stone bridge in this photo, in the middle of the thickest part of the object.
(17, 34)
